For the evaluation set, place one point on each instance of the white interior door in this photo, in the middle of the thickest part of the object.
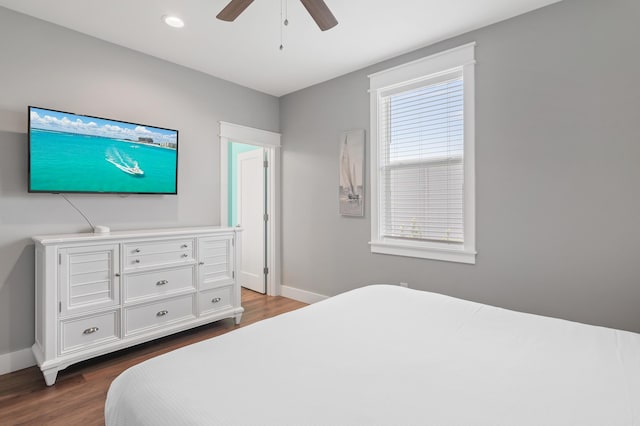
(251, 210)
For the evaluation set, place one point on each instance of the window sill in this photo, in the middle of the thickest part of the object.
(424, 252)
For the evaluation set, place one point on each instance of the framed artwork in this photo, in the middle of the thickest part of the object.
(351, 190)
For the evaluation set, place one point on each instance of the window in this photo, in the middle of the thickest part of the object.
(422, 174)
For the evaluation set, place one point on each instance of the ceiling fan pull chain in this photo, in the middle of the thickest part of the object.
(286, 13)
(280, 24)
(284, 21)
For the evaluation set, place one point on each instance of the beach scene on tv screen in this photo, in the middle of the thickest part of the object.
(75, 153)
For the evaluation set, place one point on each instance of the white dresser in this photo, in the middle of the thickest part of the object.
(99, 293)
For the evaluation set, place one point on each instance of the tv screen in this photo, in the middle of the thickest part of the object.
(78, 153)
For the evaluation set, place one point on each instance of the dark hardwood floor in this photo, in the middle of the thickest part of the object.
(78, 396)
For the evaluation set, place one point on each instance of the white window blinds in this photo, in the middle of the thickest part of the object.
(421, 161)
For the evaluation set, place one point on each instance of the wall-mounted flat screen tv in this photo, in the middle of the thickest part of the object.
(79, 153)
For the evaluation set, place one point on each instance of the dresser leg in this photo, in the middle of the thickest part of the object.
(50, 376)
(238, 317)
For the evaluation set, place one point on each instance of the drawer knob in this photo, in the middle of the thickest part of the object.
(162, 282)
(162, 313)
(201, 263)
(90, 330)
(184, 246)
(136, 261)
(185, 255)
(215, 300)
(137, 250)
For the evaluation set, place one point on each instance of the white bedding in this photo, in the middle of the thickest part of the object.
(386, 355)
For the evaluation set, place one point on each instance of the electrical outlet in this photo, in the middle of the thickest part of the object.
(406, 285)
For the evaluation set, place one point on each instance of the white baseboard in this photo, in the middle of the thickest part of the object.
(14, 361)
(301, 295)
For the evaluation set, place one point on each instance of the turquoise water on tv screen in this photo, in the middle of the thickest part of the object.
(71, 162)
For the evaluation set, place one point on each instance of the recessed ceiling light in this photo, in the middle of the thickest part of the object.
(173, 21)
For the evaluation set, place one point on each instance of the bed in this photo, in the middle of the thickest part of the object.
(387, 355)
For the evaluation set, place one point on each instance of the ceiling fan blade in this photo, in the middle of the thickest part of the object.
(233, 10)
(320, 13)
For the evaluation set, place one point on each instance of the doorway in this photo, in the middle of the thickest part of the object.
(249, 200)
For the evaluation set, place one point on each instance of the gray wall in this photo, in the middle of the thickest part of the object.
(52, 67)
(558, 172)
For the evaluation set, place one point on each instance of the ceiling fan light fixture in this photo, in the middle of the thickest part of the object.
(173, 21)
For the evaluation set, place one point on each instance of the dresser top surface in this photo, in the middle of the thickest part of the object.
(129, 234)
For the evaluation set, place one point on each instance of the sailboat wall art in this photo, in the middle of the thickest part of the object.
(351, 189)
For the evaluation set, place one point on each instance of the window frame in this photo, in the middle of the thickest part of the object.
(403, 77)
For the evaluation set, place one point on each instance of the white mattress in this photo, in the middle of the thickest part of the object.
(386, 355)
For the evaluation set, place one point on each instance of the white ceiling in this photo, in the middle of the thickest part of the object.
(246, 51)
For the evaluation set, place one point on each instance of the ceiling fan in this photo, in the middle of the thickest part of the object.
(316, 8)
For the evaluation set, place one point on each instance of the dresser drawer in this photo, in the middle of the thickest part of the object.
(88, 331)
(158, 253)
(142, 285)
(158, 314)
(215, 300)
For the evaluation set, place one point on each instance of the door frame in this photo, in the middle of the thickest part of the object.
(230, 132)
